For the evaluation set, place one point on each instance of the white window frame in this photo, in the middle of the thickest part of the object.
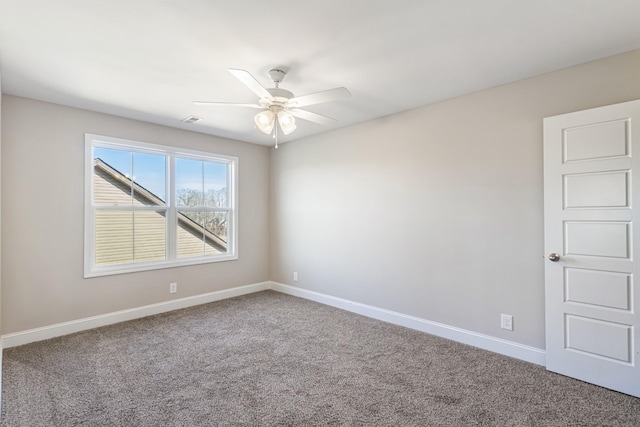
(171, 259)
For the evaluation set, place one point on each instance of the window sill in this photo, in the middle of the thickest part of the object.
(124, 269)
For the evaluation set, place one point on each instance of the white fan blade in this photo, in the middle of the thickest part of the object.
(319, 97)
(227, 104)
(250, 82)
(312, 117)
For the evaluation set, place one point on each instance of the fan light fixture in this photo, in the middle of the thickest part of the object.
(266, 120)
(287, 122)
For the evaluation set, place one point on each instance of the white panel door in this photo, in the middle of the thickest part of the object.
(592, 301)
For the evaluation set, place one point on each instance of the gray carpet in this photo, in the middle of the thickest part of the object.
(269, 359)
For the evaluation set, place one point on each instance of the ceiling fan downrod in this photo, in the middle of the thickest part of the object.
(277, 76)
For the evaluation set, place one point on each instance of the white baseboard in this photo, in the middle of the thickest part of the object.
(486, 342)
(52, 331)
(497, 345)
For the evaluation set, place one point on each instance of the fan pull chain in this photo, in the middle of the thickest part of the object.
(275, 133)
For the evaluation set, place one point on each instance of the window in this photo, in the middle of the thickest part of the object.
(151, 206)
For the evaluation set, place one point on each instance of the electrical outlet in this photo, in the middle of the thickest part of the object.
(173, 288)
(506, 322)
(295, 276)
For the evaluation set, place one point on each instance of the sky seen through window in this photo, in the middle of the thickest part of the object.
(149, 171)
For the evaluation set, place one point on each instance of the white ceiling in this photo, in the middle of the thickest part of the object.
(149, 59)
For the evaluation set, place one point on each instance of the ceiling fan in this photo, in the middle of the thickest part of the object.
(280, 105)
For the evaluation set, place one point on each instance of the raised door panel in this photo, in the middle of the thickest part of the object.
(596, 141)
(597, 238)
(598, 288)
(613, 339)
(596, 190)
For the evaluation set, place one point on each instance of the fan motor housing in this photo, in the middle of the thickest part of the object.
(280, 93)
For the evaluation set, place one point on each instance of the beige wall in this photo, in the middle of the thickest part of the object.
(435, 212)
(42, 218)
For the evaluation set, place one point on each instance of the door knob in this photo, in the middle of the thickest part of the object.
(554, 257)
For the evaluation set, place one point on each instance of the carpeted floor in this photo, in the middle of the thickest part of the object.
(269, 359)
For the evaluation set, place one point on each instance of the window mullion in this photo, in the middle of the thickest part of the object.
(133, 214)
(172, 217)
(204, 213)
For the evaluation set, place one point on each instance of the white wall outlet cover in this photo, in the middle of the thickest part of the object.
(506, 322)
